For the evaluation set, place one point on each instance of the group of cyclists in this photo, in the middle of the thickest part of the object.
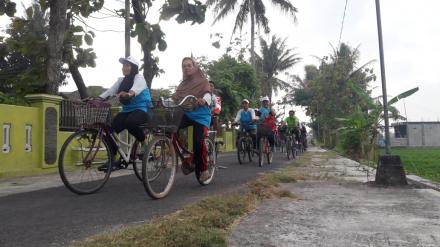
(248, 119)
(133, 94)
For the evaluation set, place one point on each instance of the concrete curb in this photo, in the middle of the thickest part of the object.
(423, 182)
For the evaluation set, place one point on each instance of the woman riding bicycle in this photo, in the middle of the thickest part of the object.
(133, 94)
(246, 118)
(267, 117)
(195, 83)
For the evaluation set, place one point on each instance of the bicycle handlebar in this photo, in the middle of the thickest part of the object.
(171, 104)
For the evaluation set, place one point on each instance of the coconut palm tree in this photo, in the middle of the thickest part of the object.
(253, 9)
(276, 58)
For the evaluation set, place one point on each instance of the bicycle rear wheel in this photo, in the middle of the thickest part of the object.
(212, 161)
(241, 150)
(158, 167)
(82, 156)
(136, 159)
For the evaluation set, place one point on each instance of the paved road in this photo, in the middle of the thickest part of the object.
(56, 217)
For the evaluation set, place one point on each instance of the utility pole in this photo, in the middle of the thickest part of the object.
(384, 83)
(127, 28)
(389, 169)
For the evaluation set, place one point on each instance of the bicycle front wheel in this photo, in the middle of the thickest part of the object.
(85, 162)
(263, 141)
(158, 167)
(241, 150)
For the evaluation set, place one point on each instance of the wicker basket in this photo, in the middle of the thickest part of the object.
(264, 129)
(168, 118)
(92, 112)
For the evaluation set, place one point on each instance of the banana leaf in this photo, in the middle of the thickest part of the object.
(403, 95)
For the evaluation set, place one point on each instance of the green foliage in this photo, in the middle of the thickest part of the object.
(234, 81)
(276, 58)
(326, 91)
(7, 7)
(184, 10)
(27, 42)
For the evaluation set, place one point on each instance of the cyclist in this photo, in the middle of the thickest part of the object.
(216, 106)
(292, 124)
(246, 118)
(267, 116)
(133, 94)
(195, 83)
(282, 132)
(303, 131)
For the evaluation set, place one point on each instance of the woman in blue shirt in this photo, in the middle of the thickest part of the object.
(195, 83)
(134, 96)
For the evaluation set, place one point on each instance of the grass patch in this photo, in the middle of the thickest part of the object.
(205, 223)
(423, 162)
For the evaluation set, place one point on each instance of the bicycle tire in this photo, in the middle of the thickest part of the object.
(288, 149)
(250, 150)
(137, 159)
(159, 159)
(268, 153)
(73, 148)
(261, 151)
(241, 150)
(212, 162)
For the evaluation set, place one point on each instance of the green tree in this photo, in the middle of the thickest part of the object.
(234, 81)
(276, 58)
(255, 10)
(29, 39)
(150, 36)
(7, 7)
(326, 93)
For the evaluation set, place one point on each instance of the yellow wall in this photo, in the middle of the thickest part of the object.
(18, 162)
(18, 159)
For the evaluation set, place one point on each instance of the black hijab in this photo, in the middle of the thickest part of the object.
(127, 82)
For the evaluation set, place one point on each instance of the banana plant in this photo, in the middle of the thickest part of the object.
(362, 128)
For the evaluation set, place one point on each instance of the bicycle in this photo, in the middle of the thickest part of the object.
(264, 148)
(291, 146)
(165, 148)
(86, 157)
(244, 147)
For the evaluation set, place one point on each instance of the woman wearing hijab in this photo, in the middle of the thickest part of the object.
(134, 96)
(195, 83)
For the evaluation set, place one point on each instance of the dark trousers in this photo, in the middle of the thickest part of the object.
(253, 135)
(270, 138)
(199, 147)
(131, 121)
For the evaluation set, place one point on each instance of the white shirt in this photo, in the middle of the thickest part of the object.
(237, 118)
(139, 85)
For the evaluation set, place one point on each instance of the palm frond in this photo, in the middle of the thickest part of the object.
(222, 8)
(242, 16)
(287, 7)
(260, 15)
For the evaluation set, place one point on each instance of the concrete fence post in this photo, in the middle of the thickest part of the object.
(49, 110)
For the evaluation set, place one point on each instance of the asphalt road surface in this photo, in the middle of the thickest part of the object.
(56, 217)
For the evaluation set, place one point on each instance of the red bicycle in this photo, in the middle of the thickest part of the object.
(161, 155)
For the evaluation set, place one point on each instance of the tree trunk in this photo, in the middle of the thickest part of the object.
(73, 66)
(77, 78)
(57, 27)
(252, 34)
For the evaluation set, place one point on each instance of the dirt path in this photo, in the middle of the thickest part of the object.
(340, 209)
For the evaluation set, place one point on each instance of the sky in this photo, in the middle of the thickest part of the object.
(411, 34)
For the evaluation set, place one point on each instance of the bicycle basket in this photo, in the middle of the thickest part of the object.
(264, 129)
(168, 118)
(92, 112)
